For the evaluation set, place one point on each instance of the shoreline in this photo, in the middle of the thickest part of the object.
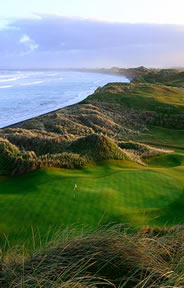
(19, 124)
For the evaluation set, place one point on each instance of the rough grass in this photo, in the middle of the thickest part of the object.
(76, 153)
(12, 159)
(108, 257)
(170, 77)
(99, 147)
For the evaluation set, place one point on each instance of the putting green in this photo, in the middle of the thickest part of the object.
(46, 198)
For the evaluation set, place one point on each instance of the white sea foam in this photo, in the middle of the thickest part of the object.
(32, 83)
(9, 79)
(12, 79)
(6, 76)
(96, 82)
(7, 86)
(54, 74)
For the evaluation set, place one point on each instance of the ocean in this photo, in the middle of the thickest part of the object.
(26, 94)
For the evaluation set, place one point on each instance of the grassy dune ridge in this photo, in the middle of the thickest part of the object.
(170, 77)
(115, 112)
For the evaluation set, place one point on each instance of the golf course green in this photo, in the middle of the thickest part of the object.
(118, 191)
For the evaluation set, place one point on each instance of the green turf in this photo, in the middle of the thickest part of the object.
(112, 191)
(167, 160)
(142, 97)
(169, 138)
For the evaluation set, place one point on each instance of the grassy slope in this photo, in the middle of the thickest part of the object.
(170, 77)
(142, 97)
(109, 192)
(171, 138)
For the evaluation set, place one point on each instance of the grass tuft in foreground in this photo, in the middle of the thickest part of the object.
(108, 257)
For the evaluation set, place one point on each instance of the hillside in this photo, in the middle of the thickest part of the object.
(170, 77)
(114, 113)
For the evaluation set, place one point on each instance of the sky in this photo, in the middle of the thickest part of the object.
(91, 33)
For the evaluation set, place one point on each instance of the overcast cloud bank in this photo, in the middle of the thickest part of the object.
(52, 41)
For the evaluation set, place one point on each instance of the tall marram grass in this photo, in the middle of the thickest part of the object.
(108, 257)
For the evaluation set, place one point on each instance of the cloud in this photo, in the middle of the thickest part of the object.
(25, 39)
(56, 41)
(29, 44)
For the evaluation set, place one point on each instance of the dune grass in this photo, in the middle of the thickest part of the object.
(103, 257)
(116, 191)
